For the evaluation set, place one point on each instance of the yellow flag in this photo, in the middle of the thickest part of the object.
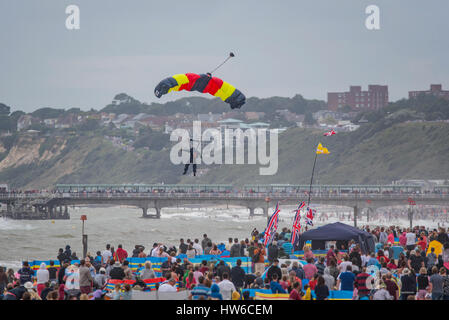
(321, 150)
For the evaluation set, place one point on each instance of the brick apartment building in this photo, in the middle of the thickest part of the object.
(435, 89)
(375, 98)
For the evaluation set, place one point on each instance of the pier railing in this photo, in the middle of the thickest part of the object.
(222, 195)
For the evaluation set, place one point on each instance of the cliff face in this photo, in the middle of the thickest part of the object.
(31, 149)
(401, 151)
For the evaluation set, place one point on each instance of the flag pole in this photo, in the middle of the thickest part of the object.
(311, 179)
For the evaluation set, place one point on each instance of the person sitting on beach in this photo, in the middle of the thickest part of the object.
(14, 292)
(148, 272)
(31, 291)
(215, 250)
(48, 287)
(380, 255)
(275, 286)
(200, 290)
(127, 270)
(117, 291)
(117, 272)
(295, 293)
(190, 281)
(169, 286)
(274, 269)
(204, 267)
(100, 279)
(191, 252)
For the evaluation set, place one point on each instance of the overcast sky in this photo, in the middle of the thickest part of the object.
(282, 48)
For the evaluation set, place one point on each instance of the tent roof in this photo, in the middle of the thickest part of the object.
(333, 231)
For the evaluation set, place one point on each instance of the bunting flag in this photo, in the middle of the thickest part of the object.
(330, 133)
(321, 150)
(297, 223)
(310, 215)
(272, 226)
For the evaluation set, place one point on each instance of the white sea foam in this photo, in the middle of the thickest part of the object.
(15, 225)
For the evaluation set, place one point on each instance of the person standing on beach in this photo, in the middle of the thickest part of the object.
(205, 241)
(238, 275)
(121, 254)
(25, 274)
(86, 279)
(3, 281)
(106, 255)
(259, 259)
(42, 276)
(411, 240)
(197, 247)
(182, 246)
(235, 249)
(61, 256)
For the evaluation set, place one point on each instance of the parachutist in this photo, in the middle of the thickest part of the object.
(192, 156)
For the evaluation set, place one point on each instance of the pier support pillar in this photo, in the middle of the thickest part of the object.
(356, 209)
(144, 212)
(66, 213)
(265, 213)
(410, 216)
(158, 212)
(251, 212)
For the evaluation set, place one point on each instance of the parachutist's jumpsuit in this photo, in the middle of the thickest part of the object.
(186, 167)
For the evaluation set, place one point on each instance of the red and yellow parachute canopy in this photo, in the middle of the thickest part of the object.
(204, 83)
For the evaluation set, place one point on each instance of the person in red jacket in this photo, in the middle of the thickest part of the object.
(422, 243)
(120, 254)
(380, 255)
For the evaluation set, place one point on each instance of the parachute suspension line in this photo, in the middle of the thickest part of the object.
(229, 57)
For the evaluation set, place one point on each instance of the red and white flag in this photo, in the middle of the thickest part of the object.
(310, 215)
(328, 134)
(297, 224)
(272, 226)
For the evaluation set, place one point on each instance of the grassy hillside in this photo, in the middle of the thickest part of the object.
(369, 155)
(406, 150)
